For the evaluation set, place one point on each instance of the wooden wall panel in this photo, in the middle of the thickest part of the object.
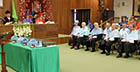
(93, 5)
(62, 15)
(6, 6)
(62, 11)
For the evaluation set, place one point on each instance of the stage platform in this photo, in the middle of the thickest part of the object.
(61, 39)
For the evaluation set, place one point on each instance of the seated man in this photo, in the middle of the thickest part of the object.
(8, 19)
(94, 37)
(123, 34)
(132, 22)
(110, 39)
(90, 26)
(27, 18)
(106, 34)
(40, 20)
(35, 16)
(128, 42)
(45, 16)
(107, 29)
(124, 31)
(138, 39)
(83, 35)
(74, 33)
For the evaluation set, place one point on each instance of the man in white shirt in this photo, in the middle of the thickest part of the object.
(83, 35)
(74, 34)
(106, 34)
(110, 39)
(138, 37)
(128, 41)
(93, 37)
(123, 34)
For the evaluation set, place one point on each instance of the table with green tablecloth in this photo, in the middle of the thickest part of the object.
(26, 59)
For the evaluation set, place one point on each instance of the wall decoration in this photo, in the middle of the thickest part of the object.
(44, 6)
(1, 3)
(22, 9)
(101, 4)
(136, 7)
(123, 3)
(118, 4)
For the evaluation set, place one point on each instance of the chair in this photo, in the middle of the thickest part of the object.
(136, 43)
(100, 38)
(70, 43)
(135, 51)
(115, 45)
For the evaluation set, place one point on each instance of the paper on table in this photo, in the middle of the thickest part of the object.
(51, 46)
(94, 37)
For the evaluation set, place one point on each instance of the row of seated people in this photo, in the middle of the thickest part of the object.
(127, 38)
(36, 18)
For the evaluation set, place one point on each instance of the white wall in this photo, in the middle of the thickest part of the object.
(121, 10)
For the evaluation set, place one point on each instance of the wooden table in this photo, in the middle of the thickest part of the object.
(39, 31)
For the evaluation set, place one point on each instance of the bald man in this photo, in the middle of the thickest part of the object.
(93, 38)
(123, 34)
(110, 39)
(74, 33)
(106, 34)
(128, 41)
(82, 35)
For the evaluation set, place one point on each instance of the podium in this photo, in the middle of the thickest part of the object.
(39, 31)
(3, 61)
(3, 41)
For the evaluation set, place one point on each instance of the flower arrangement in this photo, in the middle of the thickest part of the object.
(22, 33)
(22, 29)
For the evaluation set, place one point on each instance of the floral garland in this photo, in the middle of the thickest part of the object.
(22, 9)
(24, 6)
(22, 29)
(48, 8)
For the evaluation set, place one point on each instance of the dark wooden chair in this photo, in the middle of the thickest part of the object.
(136, 44)
(100, 38)
(115, 45)
(70, 42)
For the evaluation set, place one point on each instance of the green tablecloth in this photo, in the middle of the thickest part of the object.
(25, 59)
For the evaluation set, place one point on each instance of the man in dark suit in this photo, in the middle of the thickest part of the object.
(8, 19)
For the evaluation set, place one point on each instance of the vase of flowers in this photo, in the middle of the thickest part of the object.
(22, 29)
